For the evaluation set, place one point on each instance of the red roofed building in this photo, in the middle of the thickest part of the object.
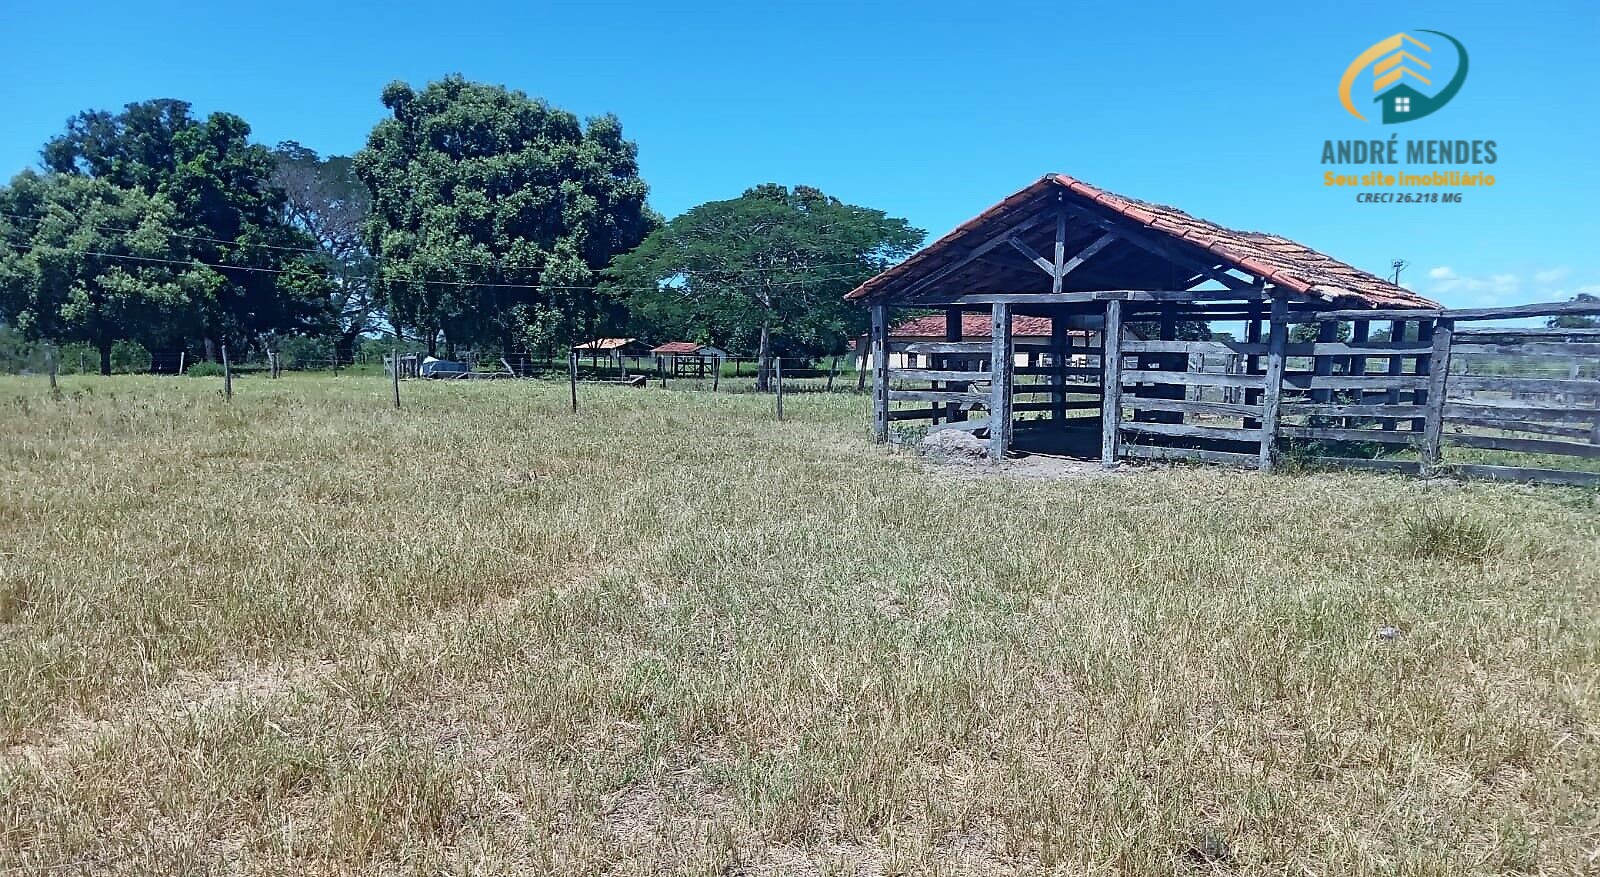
(1031, 337)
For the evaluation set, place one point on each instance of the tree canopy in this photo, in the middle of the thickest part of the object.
(223, 212)
(71, 274)
(769, 267)
(325, 200)
(1576, 321)
(493, 213)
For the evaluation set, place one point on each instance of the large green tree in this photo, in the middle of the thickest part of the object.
(1577, 321)
(493, 213)
(70, 272)
(325, 200)
(225, 212)
(768, 268)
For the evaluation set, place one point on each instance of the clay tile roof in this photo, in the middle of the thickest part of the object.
(680, 348)
(1279, 261)
(973, 326)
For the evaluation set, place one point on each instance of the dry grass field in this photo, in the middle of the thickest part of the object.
(305, 633)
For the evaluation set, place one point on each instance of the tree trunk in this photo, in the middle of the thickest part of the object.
(211, 349)
(105, 357)
(764, 357)
(344, 350)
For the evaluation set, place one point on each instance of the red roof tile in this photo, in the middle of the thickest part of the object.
(1277, 260)
(973, 326)
(680, 348)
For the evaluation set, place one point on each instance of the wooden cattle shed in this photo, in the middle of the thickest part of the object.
(1094, 261)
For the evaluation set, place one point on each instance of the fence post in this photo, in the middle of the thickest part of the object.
(1000, 364)
(833, 373)
(51, 365)
(777, 373)
(227, 375)
(83, 366)
(1111, 393)
(1272, 393)
(880, 372)
(394, 374)
(1438, 374)
(182, 354)
(716, 373)
(572, 378)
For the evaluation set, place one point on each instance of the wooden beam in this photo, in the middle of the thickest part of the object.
(999, 239)
(1058, 268)
(1272, 395)
(1032, 255)
(1086, 254)
(1139, 295)
(1111, 401)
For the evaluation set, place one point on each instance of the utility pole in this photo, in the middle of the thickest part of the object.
(1398, 265)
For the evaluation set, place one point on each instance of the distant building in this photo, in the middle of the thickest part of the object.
(1030, 338)
(680, 355)
(611, 348)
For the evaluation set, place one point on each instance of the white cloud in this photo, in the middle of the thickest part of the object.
(1552, 276)
(1459, 290)
(1443, 272)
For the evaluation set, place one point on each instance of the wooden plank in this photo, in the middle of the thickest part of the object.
(1391, 396)
(1473, 383)
(880, 372)
(1488, 334)
(1053, 388)
(1347, 435)
(1080, 370)
(959, 396)
(931, 374)
(1583, 432)
(1366, 348)
(1314, 316)
(1522, 445)
(1438, 374)
(1000, 364)
(996, 241)
(1144, 295)
(1203, 455)
(1541, 309)
(1186, 406)
(1303, 381)
(1189, 379)
(1519, 413)
(1059, 341)
(1272, 397)
(1339, 409)
(1111, 403)
(1186, 430)
(973, 348)
(1523, 474)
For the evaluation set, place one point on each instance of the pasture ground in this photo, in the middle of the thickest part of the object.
(306, 633)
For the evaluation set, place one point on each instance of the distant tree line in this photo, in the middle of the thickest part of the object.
(476, 217)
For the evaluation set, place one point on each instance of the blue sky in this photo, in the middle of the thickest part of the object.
(930, 111)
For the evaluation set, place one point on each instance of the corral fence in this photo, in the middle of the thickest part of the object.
(1438, 392)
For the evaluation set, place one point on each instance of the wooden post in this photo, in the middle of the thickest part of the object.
(1252, 363)
(999, 380)
(1397, 366)
(1438, 375)
(1424, 367)
(777, 376)
(1058, 367)
(227, 375)
(572, 378)
(880, 372)
(181, 355)
(83, 365)
(716, 373)
(952, 332)
(1272, 394)
(833, 373)
(1360, 332)
(394, 375)
(1322, 366)
(1111, 376)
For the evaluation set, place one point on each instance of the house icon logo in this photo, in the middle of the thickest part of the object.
(1399, 64)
